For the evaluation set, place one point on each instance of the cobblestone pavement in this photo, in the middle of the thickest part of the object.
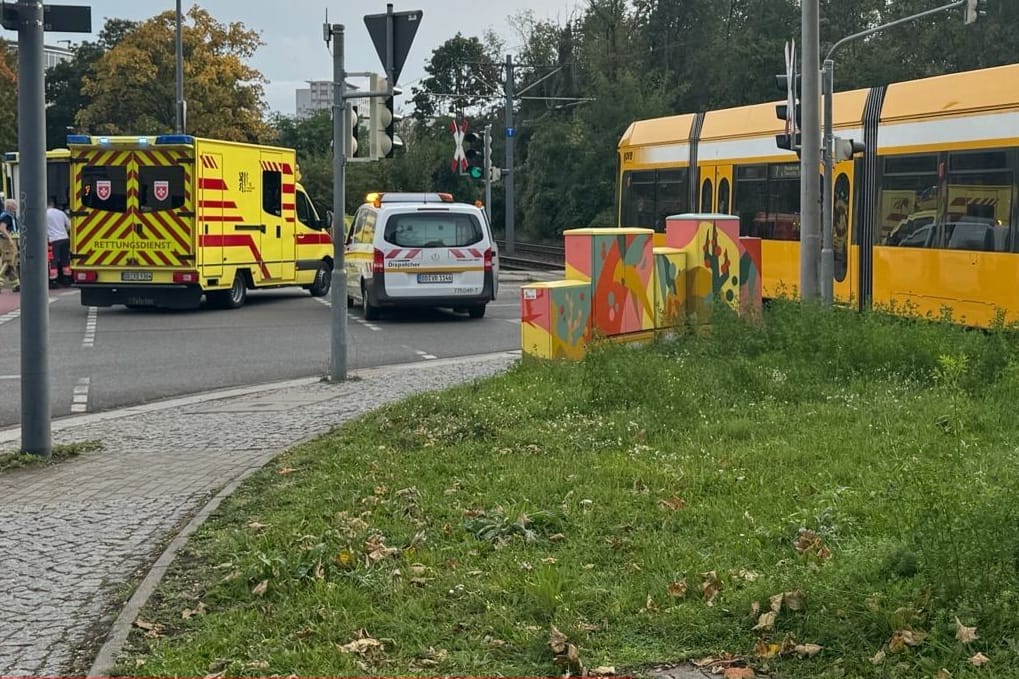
(75, 535)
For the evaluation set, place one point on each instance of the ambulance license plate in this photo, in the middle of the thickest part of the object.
(435, 278)
(136, 275)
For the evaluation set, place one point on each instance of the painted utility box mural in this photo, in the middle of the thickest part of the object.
(619, 286)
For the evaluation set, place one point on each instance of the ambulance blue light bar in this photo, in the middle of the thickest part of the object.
(79, 139)
(175, 139)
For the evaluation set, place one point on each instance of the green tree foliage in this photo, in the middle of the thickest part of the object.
(9, 95)
(132, 86)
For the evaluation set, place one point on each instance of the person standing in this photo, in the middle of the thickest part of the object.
(9, 273)
(58, 231)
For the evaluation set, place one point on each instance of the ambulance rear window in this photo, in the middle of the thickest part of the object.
(433, 230)
(104, 187)
(160, 188)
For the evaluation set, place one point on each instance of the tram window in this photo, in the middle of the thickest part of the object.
(649, 196)
(706, 196)
(908, 199)
(671, 196)
(767, 200)
(723, 196)
(840, 227)
(981, 193)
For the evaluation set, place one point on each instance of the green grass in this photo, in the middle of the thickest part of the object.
(59, 453)
(866, 464)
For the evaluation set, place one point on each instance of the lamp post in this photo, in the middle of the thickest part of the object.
(181, 106)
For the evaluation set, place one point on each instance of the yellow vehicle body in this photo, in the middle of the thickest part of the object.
(163, 221)
(924, 221)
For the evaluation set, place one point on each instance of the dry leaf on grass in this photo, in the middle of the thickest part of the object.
(963, 633)
(674, 503)
(766, 622)
(283, 471)
(190, 612)
(878, 657)
(677, 589)
(710, 587)
(260, 588)
(810, 543)
(979, 660)
(603, 671)
(807, 650)
(905, 637)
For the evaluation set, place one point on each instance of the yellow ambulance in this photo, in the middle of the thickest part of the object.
(164, 220)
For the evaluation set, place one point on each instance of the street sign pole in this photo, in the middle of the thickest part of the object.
(488, 172)
(810, 157)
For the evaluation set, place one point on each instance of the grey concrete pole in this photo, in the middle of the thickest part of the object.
(338, 292)
(810, 181)
(827, 252)
(488, 173)
(180, 72)
(511, 174)
(35, 376)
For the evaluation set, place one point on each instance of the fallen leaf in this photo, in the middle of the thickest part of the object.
(260, 588)
(603, 671)
(775, 603)
(878, 657)
(145, 625)
(345, 558)
(677, 589)
(492, 642)
(905, 637)
(674, 503)
(650, 604)
(873, 602)
(766, 622)
(943, 674)
(711, 587)
(190, 612)
(361, 646)
(794, 600)
(963, 633)
(807, 650)
(549, 560)
(979, 660)
(749, 576)
(738, 673)
(283, 471)
(556, 537)
(556, 640)
(255, 525)
(764, 650)
(811, 544)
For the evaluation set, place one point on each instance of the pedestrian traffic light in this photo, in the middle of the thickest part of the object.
(474, 151)
(789, 112)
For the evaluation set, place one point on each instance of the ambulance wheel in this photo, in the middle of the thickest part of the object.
(233, 298)
(477, 311)
(371, 312)
(323, 279)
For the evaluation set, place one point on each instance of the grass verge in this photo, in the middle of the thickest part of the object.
(826, 495)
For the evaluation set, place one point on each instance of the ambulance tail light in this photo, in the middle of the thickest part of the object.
(489, 259)
(84, 276)
(378, 261)
(185, 276)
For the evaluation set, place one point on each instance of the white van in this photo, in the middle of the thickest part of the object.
(420, 249)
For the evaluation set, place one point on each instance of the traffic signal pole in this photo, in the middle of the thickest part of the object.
(35, 375)
(510, 172)
(338, 284)
(810, 181)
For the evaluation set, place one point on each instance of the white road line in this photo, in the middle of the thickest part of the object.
(350, 316)
(79, 400)
(11, 315)
(426, 355)
(10, 377)
(90, 328)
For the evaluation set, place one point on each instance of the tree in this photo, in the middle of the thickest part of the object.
(463, 74)
(132, 87)
(64, 96)
(9, 95)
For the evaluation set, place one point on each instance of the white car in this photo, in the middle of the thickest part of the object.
(420, 249)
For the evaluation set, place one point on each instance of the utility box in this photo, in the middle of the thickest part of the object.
(555, 319)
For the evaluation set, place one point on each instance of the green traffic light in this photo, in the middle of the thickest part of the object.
(475, 172)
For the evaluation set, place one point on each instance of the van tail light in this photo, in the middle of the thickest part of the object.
(489, 259)
(378, 262)
(185, 276)
(84, 276)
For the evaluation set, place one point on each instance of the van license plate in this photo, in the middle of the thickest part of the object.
(435, 278)
(136, 275)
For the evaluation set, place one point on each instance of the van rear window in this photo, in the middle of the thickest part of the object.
(433, 230)
(104, 187)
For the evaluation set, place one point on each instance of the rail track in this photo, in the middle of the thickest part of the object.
(532, 256)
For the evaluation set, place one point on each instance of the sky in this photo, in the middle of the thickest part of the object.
(295, 51)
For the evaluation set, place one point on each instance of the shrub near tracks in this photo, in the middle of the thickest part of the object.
(838, 482)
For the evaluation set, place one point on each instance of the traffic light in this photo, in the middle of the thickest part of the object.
(383, 120)
(845, 149)
(351, 131)
(475, 147)
(789, 112)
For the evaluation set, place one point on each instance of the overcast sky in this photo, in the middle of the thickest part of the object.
(295, 51)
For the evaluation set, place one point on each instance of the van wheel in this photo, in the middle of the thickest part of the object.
(477, 311)
(323, 279)
(371, 312)
(233, 298)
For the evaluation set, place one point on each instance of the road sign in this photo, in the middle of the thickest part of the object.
(459, 162)
(405, 26)
(55, 18)
(511, 131)
(790, 73)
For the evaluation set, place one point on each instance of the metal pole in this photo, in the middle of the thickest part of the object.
(488, 173)
(180, 73)
(510, 172)
(338, 284)
(827, 253)
(810, 184)
(35, 377)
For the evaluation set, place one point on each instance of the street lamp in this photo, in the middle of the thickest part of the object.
(181, 105)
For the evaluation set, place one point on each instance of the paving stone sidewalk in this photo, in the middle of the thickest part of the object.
(74, 536)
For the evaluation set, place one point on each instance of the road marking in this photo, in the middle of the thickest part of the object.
(90, 328)
(350, 316)
(79, 402)
(425, 355)
(10, 377)
(514, 321)
(11, 315)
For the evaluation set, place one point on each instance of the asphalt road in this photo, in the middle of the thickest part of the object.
(104, 358)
